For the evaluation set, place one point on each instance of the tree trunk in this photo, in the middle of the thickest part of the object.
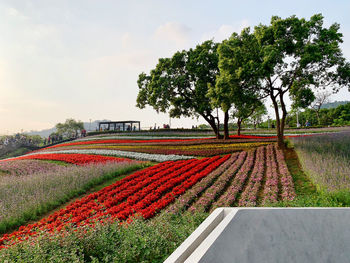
(283, 121)
(239, 122)
(212, 123)
(318, 117)
(280, 140)
(226, 132)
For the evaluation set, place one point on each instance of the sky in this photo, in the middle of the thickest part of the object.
(81, 59)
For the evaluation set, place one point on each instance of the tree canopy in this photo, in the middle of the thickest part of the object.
(297, 55)
(237, 84)
(179, 85)
(69, 127)
(291, 56)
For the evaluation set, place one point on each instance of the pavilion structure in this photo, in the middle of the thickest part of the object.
(119, 126)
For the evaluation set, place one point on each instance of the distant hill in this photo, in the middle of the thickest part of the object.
(334, 104)
(47, 132)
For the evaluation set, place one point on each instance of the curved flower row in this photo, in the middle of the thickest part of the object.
(79, 159)
(271, 184)
(125, 137)
(230, 196)
(133, 155)
(204, 202)
(145, 192)
(250, 194)
(192, 150)
(115, 142)
(288, 192)
(183, 201)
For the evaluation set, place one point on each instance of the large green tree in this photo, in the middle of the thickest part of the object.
(295, 56)
(69, 127)
(179, 84)
(236, 88)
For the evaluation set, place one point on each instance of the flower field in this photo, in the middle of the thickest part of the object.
(159, 149)
(25, 197)
(77, 158)
(145, 192)
(246, 178)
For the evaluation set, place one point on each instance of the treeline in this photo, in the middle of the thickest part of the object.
(289, 57)
(338, 116)
(18, 144)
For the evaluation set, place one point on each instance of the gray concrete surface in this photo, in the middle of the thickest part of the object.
(283, 235)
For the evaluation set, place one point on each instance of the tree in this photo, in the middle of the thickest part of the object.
(320, 99)
(295, 56)
(180, 84)
(69, 127)
(236, 85)
(257, 116)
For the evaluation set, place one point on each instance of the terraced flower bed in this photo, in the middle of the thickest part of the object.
(203, 149)
(78, 159)
(252, 178)
(145, 192)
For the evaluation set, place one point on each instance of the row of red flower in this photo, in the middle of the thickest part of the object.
(145, 192)
(79, 159)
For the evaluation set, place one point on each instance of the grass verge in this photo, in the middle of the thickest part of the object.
(309, 194)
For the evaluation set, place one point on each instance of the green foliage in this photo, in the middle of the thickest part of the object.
(238, 76)
(17, 152)
(141, 241)
(328, 117)
(295, 55)
(334, 104)
(179, 84)
(69, 127)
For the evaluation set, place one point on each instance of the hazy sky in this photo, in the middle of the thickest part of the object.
(81, 59)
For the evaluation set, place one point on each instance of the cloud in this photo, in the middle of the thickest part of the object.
(225, 31)
(13, 12)
(173, 32)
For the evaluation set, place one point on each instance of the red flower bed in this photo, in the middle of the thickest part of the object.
(77, 158)
(145, 192)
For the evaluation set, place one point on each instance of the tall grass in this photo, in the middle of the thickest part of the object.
(27, 167)
(24, 198)
(326, 158)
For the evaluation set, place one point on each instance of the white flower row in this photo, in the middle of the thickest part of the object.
(133, 155)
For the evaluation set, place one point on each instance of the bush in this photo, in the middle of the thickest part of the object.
(140, 241)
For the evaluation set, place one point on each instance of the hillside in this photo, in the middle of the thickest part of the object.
(46, 132)
(334, 104)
